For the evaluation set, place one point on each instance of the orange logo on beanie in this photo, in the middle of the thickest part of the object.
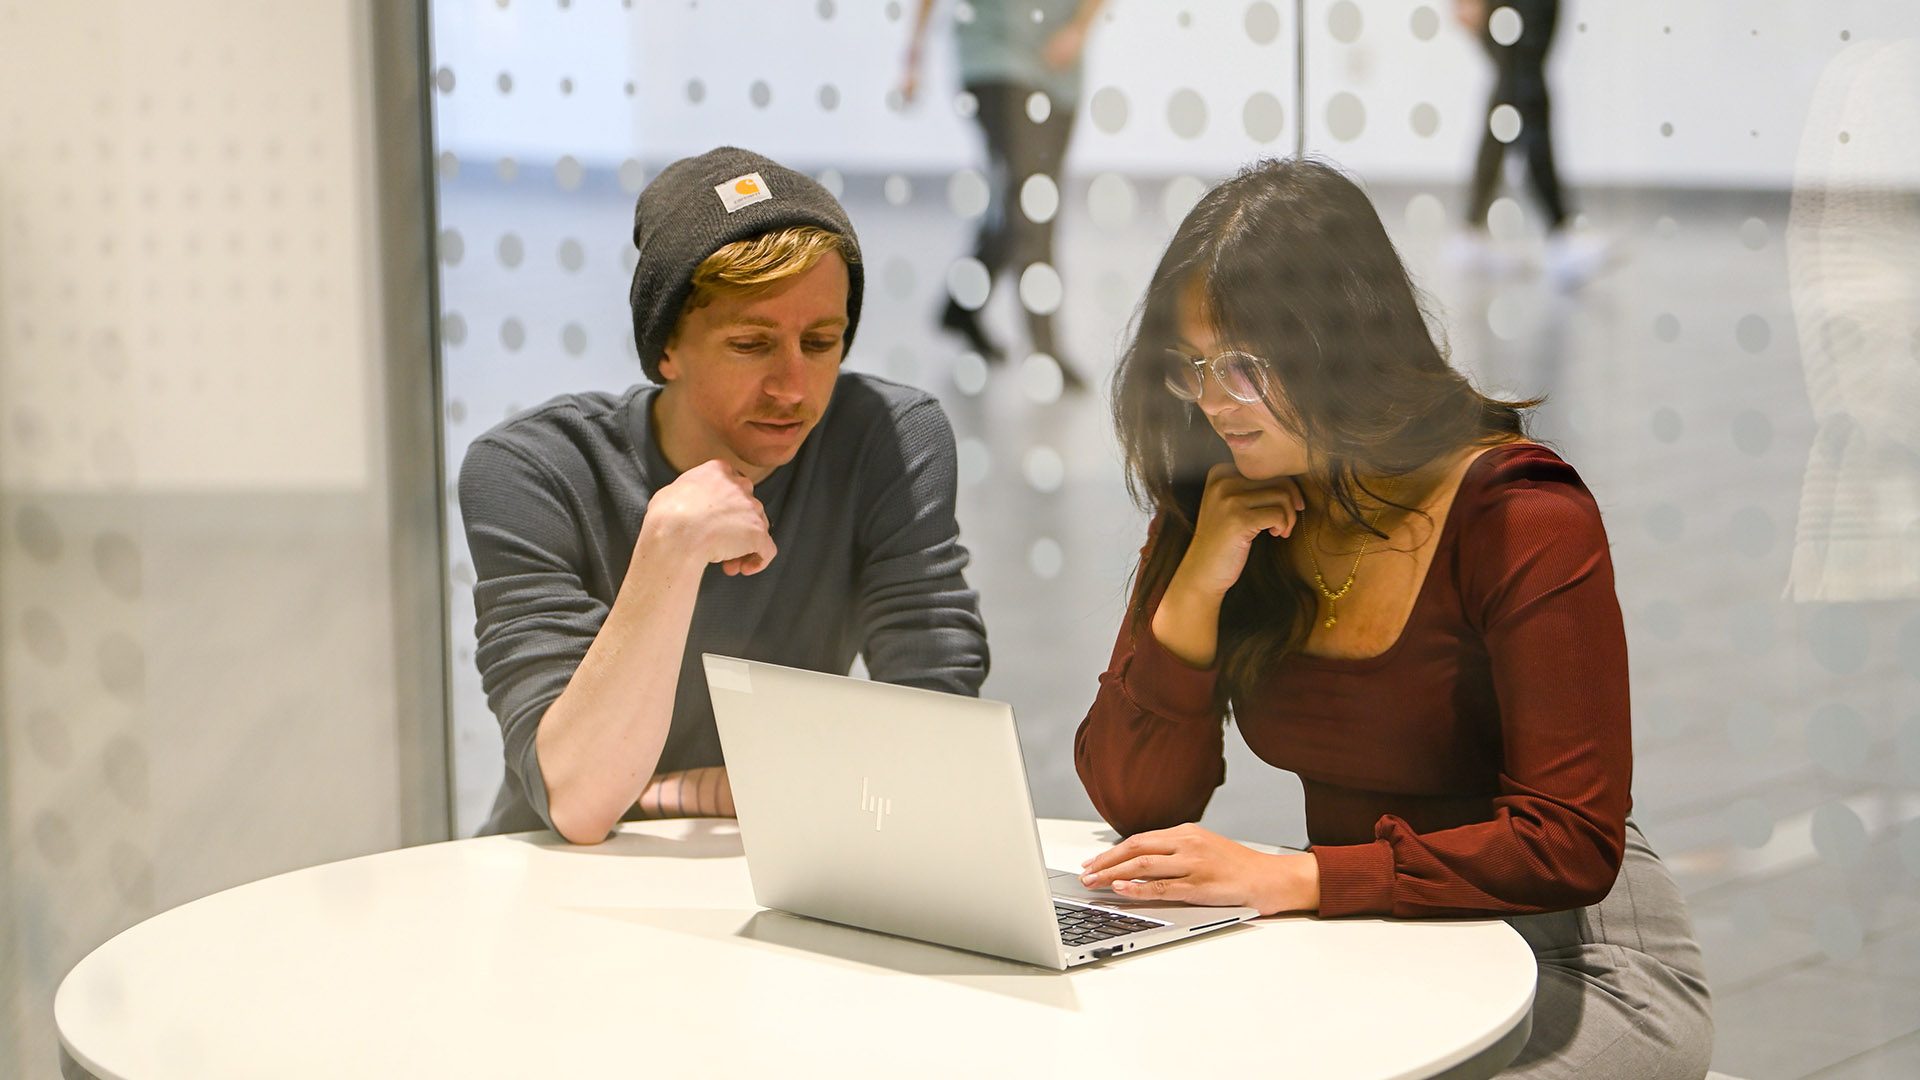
(742, 191)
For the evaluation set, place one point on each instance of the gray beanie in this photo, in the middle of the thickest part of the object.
(698, 205)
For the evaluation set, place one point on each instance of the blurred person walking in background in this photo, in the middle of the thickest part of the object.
(1517, 36)
(1021, 64)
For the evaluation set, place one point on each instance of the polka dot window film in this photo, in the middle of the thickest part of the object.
(194, 529)
(1735, 389)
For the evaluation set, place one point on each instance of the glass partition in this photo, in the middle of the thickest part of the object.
(1728, 345)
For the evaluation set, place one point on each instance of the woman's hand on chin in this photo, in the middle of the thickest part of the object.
(1233, 511)
(1193, 865)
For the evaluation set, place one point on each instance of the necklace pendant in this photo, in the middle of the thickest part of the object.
(1329, 623)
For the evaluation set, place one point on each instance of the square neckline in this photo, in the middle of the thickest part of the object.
(1448, 536)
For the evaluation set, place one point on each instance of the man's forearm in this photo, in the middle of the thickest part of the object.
(600, 741)
(688, 793)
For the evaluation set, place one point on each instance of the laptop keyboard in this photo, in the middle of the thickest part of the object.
(1084, 926)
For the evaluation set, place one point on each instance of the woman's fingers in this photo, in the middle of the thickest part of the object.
(1185, 890)
(1140, 867)
(1158, 889)
(1273, 506)
(1147, 843)
(1241, 500)
(1222, 470)
(1254, 498)
(1182, 864)
(1278, 519)
(1224, 481)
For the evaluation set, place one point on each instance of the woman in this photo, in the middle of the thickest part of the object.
(1401, 599)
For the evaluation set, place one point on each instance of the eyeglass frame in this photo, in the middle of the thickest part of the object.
(1262, 367)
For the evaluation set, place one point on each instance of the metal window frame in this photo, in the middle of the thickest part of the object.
(400, 65)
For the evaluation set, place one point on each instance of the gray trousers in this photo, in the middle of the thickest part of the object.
(1621, 991)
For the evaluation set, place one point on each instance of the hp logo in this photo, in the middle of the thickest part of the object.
(875, 805)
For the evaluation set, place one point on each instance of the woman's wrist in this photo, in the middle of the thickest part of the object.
(1187, 624)
(1181, 587)
(1192, 601)
(1293, 885)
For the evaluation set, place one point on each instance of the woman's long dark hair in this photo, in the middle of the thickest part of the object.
(1293, 266)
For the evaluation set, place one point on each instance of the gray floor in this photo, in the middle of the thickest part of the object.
(1778, 744)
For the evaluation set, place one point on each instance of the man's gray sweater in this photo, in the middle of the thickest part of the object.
(869, 561)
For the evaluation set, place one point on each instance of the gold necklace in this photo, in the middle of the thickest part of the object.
(1334, 596)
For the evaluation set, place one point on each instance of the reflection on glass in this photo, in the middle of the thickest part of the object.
(1020, 71)
(1853, 256)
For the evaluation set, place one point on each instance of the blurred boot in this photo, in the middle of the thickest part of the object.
(958, 320)
(1040, 330)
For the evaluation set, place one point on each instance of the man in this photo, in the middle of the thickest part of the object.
(756, 501)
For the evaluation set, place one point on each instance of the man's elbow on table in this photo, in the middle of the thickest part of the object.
(577, 824)
(578, 813)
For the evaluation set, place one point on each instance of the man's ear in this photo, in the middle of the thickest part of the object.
(670, 355)
(670, 352)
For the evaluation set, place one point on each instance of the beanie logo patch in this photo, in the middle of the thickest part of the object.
(742, 191)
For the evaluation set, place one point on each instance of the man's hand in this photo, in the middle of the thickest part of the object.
(1194, 866)
(599, 743)
(710, 512)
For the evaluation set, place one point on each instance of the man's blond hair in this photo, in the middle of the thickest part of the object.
(749, 267)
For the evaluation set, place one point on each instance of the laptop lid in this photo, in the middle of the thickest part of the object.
(885, 807)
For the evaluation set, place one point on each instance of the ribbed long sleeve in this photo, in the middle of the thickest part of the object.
(1149, 751)
(1482, 765)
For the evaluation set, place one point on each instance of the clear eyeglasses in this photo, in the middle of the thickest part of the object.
(1245, 377)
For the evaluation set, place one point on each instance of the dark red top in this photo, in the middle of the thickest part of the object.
(1480, 765)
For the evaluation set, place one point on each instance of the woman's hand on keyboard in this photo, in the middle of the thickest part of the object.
(1193, 865)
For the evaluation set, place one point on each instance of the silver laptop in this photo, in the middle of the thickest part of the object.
(906, 811)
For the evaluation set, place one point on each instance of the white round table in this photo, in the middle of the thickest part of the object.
(520, 956)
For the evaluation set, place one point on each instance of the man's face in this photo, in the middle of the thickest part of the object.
(747, 378)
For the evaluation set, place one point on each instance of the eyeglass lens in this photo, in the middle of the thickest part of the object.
(1238, 373)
